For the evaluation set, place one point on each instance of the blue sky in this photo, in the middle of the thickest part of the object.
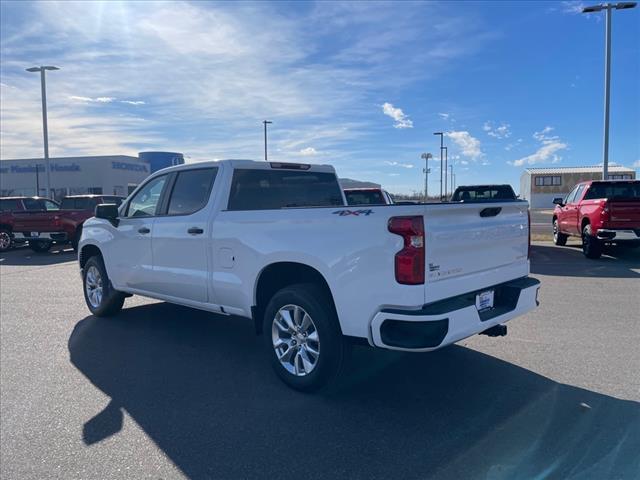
(359, 85)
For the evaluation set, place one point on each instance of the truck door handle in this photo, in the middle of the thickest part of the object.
(195, 231)
(143, 230)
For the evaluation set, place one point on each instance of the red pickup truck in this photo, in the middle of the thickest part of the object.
(10, 206)
(601, 212)
(41, 228)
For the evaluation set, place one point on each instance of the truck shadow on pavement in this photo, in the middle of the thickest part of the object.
(24, 256)
(200, 386)
(569, 261)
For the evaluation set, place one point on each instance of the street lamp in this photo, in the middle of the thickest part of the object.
(45, 131)
(266, 122)
(441, 148)
(426, 157)
(608, 7)
(452, 186)
(446, 154)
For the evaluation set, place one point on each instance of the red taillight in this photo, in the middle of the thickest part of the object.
(605, 212)
(409, 262)
(529, 229)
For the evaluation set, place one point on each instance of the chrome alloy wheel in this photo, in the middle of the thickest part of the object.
(555, 230)
(93, 286)
(295, 340)
(5, 241)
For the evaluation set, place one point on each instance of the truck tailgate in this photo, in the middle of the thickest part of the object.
(624, 214)
(35, 221)
(475, 245)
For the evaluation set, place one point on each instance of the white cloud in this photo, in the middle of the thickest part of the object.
(308, 152)
(92, 100)
(469, 145)
(398, 164)
(503, 131)
(444, 116)
(572, 7)
(547, 153)
(402, 121)
(133, 102)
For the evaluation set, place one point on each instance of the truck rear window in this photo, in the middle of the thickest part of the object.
(364, 197)
(87, 203)
(253, 189)
(614, 191)
(480, 194)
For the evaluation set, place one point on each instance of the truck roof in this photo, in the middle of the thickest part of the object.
(253, 164)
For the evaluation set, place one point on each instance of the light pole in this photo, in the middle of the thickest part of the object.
(446, 155)
(45, 131)
(608, 7)
(266, 122)
(426, 157)
(452, 187)
(441, 148)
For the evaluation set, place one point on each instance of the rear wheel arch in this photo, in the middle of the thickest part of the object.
(585, 221)
(276, 276)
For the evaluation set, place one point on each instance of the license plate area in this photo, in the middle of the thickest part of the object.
(484, 300)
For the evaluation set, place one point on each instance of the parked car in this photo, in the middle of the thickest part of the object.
(600, 212)
(59, 224)
(367, 196)
(483, 193)
(11, 206)
(276, 242)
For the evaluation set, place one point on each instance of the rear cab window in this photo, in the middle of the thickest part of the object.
(614, 191)
(257, 189)
(480, 194)
(10, 205)
(364, 197)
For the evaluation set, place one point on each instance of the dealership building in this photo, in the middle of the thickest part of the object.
(104, 174)
(541, 185)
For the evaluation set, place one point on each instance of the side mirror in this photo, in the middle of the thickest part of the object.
(108, 211)
(558, 201)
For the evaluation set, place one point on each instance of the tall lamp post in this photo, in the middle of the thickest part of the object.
(426, 157)
(446, 155)
(441, 159)
(607, 7)
(45, 131)
(266, 122)
(452, 185)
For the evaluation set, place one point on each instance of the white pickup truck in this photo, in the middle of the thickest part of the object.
(276, 242)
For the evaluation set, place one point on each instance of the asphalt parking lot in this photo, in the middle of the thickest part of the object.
(162, 391)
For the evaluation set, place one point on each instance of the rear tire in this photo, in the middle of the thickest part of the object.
(5, 240)
(591, 246)
(99, 294)
(302, 337)
(40, 246)
(559, 238)
(76, 239)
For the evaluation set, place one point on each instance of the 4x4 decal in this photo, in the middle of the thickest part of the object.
(344, 213)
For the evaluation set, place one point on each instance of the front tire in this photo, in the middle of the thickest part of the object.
(40, 246)
(591, 246)
(559, 238)
(5, 240)
(303, 339)
(99, 294)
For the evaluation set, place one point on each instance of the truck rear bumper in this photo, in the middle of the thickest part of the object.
(441, 323)
(53, 236)
(618, 235)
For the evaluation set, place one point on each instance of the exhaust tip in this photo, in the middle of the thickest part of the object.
(495, 331)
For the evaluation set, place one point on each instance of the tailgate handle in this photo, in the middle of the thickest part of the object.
(490, 211)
